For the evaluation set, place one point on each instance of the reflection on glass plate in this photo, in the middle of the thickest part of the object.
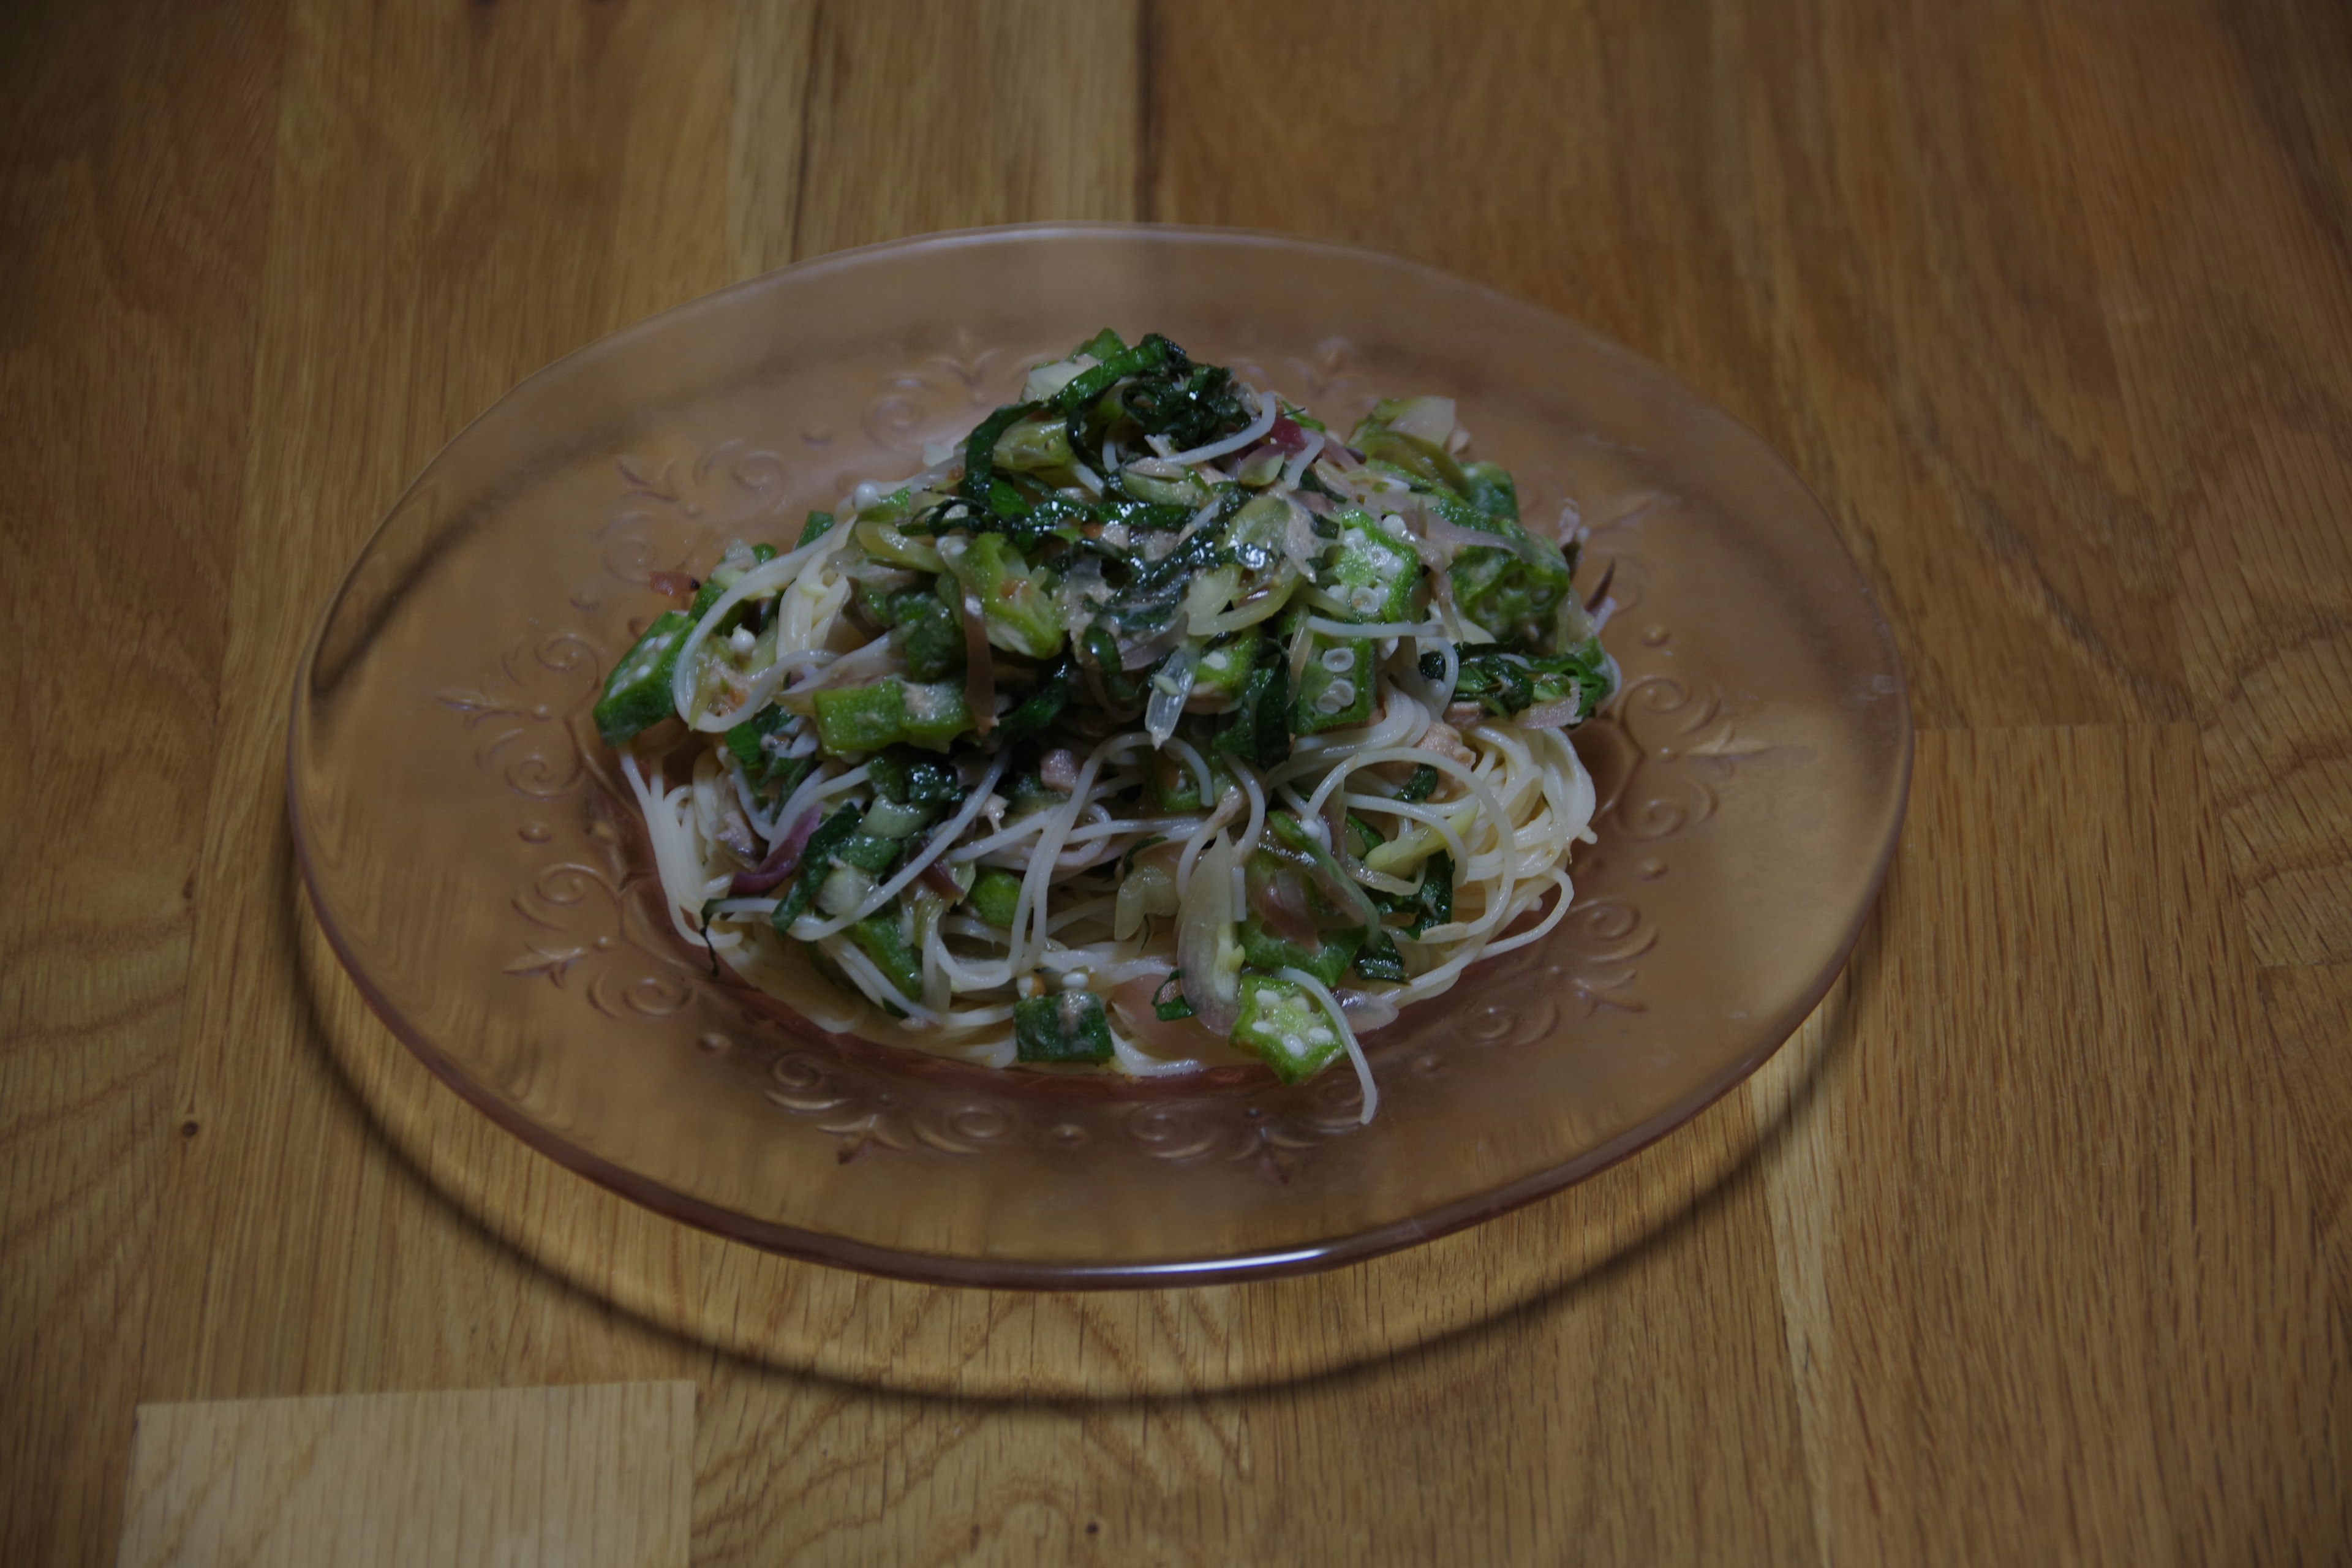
(476, 862)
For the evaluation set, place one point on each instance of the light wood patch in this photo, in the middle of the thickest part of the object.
(519, 1477)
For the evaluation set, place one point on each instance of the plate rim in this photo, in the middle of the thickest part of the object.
(981, 1271)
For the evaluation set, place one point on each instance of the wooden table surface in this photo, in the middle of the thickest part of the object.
(2036, 1246)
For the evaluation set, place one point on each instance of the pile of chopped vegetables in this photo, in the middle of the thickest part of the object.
(1148, 725)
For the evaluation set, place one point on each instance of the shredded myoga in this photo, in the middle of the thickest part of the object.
(1149, 729)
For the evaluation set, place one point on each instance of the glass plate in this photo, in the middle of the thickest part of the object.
(476, 862)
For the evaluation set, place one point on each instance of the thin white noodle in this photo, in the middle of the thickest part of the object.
(1137, 1063)
(875, 983)
(672, 856)
(1312, 810)
(967, 977)
(1507, 825)
(1331, 629)
(1491, 812)
(1254, 793)
(767, 577)
(1456, 848)
(1403, 720)
(1193, 759)
(765, 685)
(1073, 858)
(1339, 1015)
(1076, 912)
(1268, 408)
(1121, 970)
(1371, 756)
(980, 1018)
(1119, 826)
(1296, 469)
(1248, 840)
(762, 823)
(973, 799)
(1029, 915)
(1035, 821)
(1307, 819)
(1537, 933)
(1229, 806)
(1450, 679)
(919, 1019)
(813, 790)
(938, 991)
(1113, 828)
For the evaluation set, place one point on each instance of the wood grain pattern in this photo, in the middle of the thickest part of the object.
(837, 141)
(2051, 1265)
(1830, 247)
(845, 1328)
(2032, 1246)
(2056, 323)
(133, 193)
(2219, 237)
(2309, 1012)
(538, 154)
(522, 1478)
(1027, 109)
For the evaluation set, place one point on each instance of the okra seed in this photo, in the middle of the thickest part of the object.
(1339, 660)
(1075, 980)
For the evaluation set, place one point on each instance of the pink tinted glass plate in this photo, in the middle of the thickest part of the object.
(474, 857)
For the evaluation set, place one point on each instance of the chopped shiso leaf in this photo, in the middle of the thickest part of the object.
(1149, 671)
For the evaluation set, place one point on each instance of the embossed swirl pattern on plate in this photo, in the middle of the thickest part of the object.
(590, 921)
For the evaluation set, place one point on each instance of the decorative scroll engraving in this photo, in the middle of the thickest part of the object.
(584, 916)
(523, 710)
(921, 403)
(589, 918)
(673, 512)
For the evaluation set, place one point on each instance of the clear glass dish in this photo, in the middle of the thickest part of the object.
(475, 860)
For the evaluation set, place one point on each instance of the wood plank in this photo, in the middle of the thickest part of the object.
(859, 123)
(845, 1327)
(309, 1256)
(2217, 186)
(851, 1418)
(1886, 271)
(822, 1469)
(2267, 612)
(1605, 1369)
(564, 1477)
(2310, 1016)
(1028, 111)
(463, 194)
(133, 196)
(2036, 1247)
(2051, 1282)
(767, 131)
(1835, 251)
(2048, 1285)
